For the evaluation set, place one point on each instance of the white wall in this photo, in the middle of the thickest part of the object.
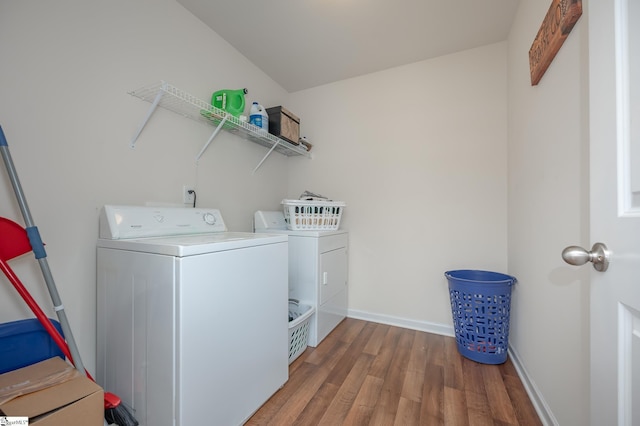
(548, 210)
(418, 153)
(66, 69)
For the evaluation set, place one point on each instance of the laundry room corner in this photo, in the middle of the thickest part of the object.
(418, 153)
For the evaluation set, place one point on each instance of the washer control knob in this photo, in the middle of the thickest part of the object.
(209, 218)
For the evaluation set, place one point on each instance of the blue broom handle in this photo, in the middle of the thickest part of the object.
(38, 249)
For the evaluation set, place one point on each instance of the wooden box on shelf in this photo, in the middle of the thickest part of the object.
(284, 124)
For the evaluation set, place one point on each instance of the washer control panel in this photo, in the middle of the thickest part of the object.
(123, 222)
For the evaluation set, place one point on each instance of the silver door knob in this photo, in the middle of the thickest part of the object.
(599, 256)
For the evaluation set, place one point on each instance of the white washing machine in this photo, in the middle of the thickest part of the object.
(192, 319)
(318, 271)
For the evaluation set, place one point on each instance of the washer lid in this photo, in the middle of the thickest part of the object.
(195, 244)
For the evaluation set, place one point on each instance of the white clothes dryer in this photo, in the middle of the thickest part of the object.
(318, 271)
(192, 323)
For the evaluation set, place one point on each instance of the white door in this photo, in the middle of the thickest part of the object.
(614, 78)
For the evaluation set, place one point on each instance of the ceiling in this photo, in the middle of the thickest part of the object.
(306, 43)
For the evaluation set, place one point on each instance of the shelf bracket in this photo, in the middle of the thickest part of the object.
(265, 157)
(152, 109)
(213, 135)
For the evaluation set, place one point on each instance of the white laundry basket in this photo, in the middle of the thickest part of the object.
(298, 328)
(303, 215)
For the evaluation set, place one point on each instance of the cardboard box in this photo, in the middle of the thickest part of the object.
(284, 124)
(52, 393)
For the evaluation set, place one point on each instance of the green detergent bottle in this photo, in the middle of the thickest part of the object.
(231, 101)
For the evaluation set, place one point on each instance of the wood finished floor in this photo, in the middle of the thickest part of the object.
(366, 373)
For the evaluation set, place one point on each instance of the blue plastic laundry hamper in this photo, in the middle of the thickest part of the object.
(481, 304)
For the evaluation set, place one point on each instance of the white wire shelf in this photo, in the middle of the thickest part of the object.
(180, 102)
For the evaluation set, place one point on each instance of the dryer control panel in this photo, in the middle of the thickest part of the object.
(123, 222)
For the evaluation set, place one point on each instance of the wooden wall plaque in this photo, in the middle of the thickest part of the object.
(556, 26)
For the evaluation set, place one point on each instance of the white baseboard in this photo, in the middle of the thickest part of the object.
(541, 407)
(429, 327)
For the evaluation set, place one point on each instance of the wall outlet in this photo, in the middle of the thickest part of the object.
(188, 194)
